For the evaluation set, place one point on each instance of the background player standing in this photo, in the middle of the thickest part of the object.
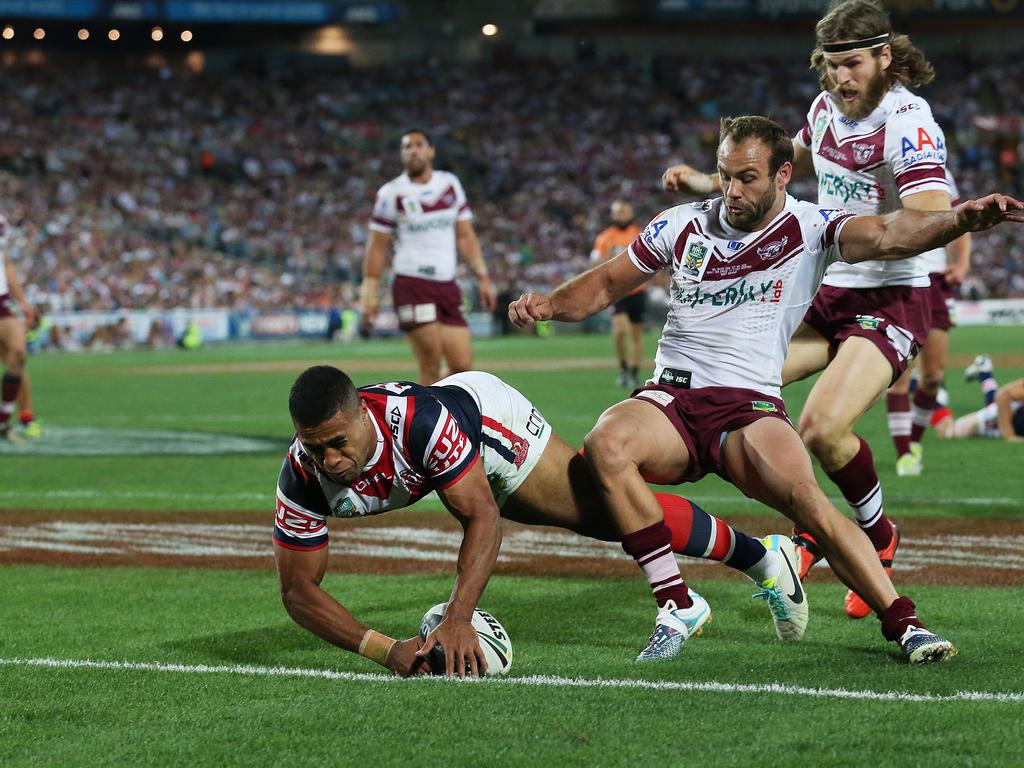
(907, 425)
(875, 148)
(427, 214)
(13, 351)
(628, 314)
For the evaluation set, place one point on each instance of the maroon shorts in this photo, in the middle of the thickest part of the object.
(895, 319)
(942, 302)
(419, 302)
(703, 417)
(6, 306)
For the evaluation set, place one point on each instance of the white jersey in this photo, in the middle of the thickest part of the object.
(935, 261)
(422, 218)
(736, 297)
(867, 166)
(4, 236)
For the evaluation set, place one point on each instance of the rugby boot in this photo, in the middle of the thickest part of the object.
(855, 607)
(922, 646)
(807, 552)
(787, 601)
(674, 626)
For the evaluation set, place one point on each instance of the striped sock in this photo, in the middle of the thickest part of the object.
(989, 387)
(695, 533)
(859, 485)
(9, 386)
(922, 413)
(651, 547)
(898, 407)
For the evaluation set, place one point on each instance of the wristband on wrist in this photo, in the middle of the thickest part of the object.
(376, 646)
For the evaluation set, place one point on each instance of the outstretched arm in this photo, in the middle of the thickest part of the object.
(299, 574)
(471, 501)
(683, 178)
(905, 233)
(582, 296)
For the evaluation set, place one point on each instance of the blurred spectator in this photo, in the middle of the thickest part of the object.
(141, 187)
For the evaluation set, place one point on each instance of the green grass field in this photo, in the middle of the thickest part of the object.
(201, 667)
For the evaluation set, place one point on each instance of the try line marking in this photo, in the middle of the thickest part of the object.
(532, 680)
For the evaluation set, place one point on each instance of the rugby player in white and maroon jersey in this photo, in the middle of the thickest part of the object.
(908, 419)
(875, 148)
(744, 269)
(489, 454)
(13, 351)
(426, 212)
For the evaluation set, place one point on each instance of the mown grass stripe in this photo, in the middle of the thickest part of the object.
(531, 680)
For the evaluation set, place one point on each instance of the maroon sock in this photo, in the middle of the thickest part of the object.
(898, 617)
(651, 547)
(898, 407)
(859, 485)
(922, 414)
(9, 386)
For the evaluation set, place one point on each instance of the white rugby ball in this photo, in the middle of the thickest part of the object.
(494, 640)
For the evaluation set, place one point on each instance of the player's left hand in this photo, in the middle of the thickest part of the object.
(30, 315)
(956, 274)
(488, 295)
(461, 645)
(529, 308)
(987, 212)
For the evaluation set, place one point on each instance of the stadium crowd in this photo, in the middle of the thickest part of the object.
(152, 187)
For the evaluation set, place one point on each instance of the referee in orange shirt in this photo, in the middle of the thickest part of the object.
(628, 314)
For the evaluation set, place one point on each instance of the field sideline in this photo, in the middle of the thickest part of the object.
(163, 465)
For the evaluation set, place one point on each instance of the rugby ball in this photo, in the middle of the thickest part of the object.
(494, 640)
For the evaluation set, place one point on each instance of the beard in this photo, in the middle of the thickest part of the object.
(866, 101)
(415, 168)
(746, 220)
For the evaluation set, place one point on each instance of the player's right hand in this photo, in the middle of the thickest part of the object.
(529, 308)
(368, 318)
(683, 178)
(403, 661)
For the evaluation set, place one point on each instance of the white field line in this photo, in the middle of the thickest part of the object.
(529, 681)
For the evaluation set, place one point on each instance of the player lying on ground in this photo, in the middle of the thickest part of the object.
(744, 268)
(1002, 416)
(488, 453)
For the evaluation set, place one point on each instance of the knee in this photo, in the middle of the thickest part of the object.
(606, 448)
(16, 358)
(819, 431)
(808, 506)
(932, 380)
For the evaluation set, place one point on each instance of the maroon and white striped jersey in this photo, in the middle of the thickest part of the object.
(422, 219)
(867, 166)
(736, 297)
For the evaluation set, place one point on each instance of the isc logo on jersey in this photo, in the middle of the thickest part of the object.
(923, 148)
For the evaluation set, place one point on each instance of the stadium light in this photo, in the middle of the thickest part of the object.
(186, 36)
(83, 34)
(39, 34)
(157, 34)
(489, 30)
(8, 32)
(113, 35)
